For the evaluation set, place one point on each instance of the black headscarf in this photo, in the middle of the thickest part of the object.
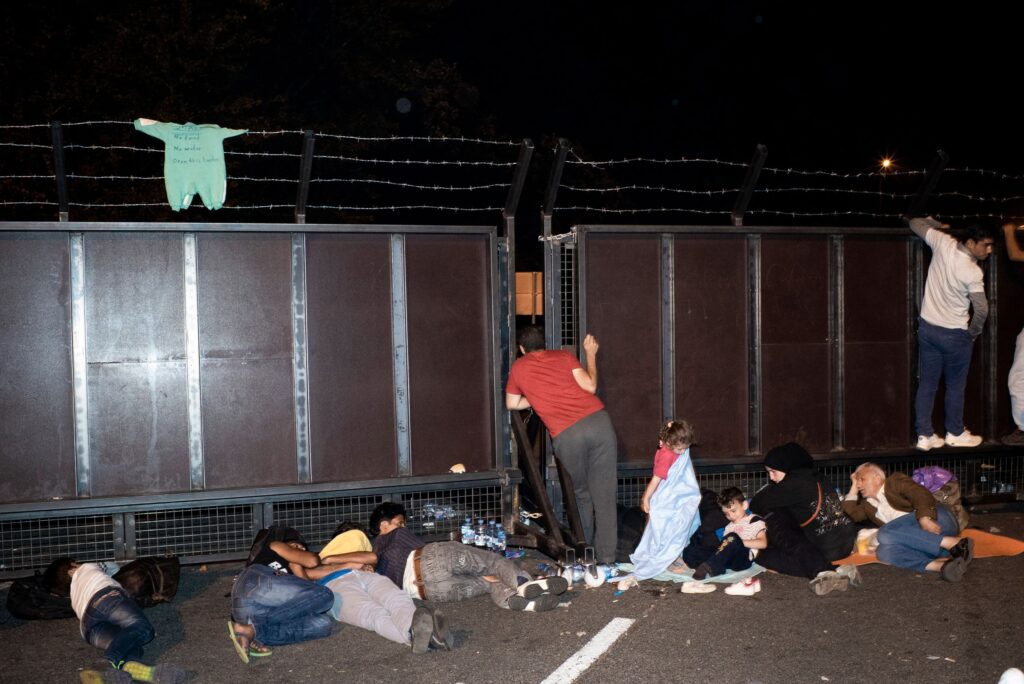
(788, 457)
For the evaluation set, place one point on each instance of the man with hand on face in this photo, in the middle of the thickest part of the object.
(926, 540)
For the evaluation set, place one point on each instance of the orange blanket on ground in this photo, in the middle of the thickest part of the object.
(986, 545)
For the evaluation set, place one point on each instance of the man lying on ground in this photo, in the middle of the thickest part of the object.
(450, 571)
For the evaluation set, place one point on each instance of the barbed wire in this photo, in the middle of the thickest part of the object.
(413, 186)
(683, 191)
(416, 138)
(422, 162)
(401, 207)
(644, 210)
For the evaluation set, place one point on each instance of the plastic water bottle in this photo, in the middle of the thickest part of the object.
(499, 544)
(492, 535)
(467, 531)
(480, 536)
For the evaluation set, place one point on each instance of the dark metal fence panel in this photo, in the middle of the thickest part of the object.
(622, 308)
(796, 392)
(451, 331)
(352, 400)
(878, 339)
(135, 352)
(37, 443)
(244, 284)
(711, 340)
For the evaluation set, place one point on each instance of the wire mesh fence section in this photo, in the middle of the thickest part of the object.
(317, 519)
(33, 543)
(437, 515)
(567, 282)
(114, 172)
(205, 531)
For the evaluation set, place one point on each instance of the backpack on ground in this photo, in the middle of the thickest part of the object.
(151, 580)
(28, 599)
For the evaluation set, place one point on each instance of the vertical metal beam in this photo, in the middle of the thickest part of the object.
(991, 339)
(300, 375)
(59, 171)
(747, 189)
(837, 338)
(668, 327)
(552, 322)
(80, 367)
(581, 288)
(124, 536)
(400, 348)
(305, 169)
(505, 287)
(931, 178)
(915, 291)
(498, 319)
(754, 384)
(193, 397)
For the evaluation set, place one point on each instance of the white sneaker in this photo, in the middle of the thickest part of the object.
(929, 443)
(697, 588)
(964, 439)
(747, 587)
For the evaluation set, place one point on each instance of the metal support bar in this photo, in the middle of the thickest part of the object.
(754, 344)
(400, 349)
(747, 189)
(920, 200)
(915, 291)
(991, 341)
(837, 339)
(305, 169)
(300, 374)
(79, 367)
(59, 172)
(668, 327)
(193, 399)
(552, 334)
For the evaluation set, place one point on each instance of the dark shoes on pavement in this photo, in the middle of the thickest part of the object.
(1015, 438)
(545, 585)
(541, 603)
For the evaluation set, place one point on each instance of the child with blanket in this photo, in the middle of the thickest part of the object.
(743, 537)
(670, 500)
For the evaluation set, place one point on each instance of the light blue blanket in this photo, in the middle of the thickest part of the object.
(729, 577)
(673, 520)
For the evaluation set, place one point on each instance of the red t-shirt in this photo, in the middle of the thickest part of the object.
(545, 378)
(663, 460)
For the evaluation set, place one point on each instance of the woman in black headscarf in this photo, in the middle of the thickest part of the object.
(807, 528)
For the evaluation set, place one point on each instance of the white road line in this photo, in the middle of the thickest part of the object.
(578, 663)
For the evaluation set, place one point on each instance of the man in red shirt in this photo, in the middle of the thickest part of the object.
(561, 391)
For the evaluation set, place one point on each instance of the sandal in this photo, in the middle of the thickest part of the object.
(242, 649)
(258, 649)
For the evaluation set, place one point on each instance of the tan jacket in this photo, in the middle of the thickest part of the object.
(902, 493)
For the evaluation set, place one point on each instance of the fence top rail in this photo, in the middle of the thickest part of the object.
(889, 231)
(165, 227)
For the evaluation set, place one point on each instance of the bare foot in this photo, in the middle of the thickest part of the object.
(678, 568)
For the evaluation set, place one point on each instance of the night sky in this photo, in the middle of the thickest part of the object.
(834, 86)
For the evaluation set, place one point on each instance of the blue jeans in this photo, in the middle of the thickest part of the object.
(904, 544)
(115, 623)
(284, 609)
(942, 352)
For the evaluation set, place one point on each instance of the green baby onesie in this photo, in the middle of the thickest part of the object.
(193, 161)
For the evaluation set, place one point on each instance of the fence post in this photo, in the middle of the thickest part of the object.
(58, 171)
(760, 153)
(305, 168)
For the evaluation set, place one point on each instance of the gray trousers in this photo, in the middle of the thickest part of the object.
(454, 571)
(373, 602)
(588, 449)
